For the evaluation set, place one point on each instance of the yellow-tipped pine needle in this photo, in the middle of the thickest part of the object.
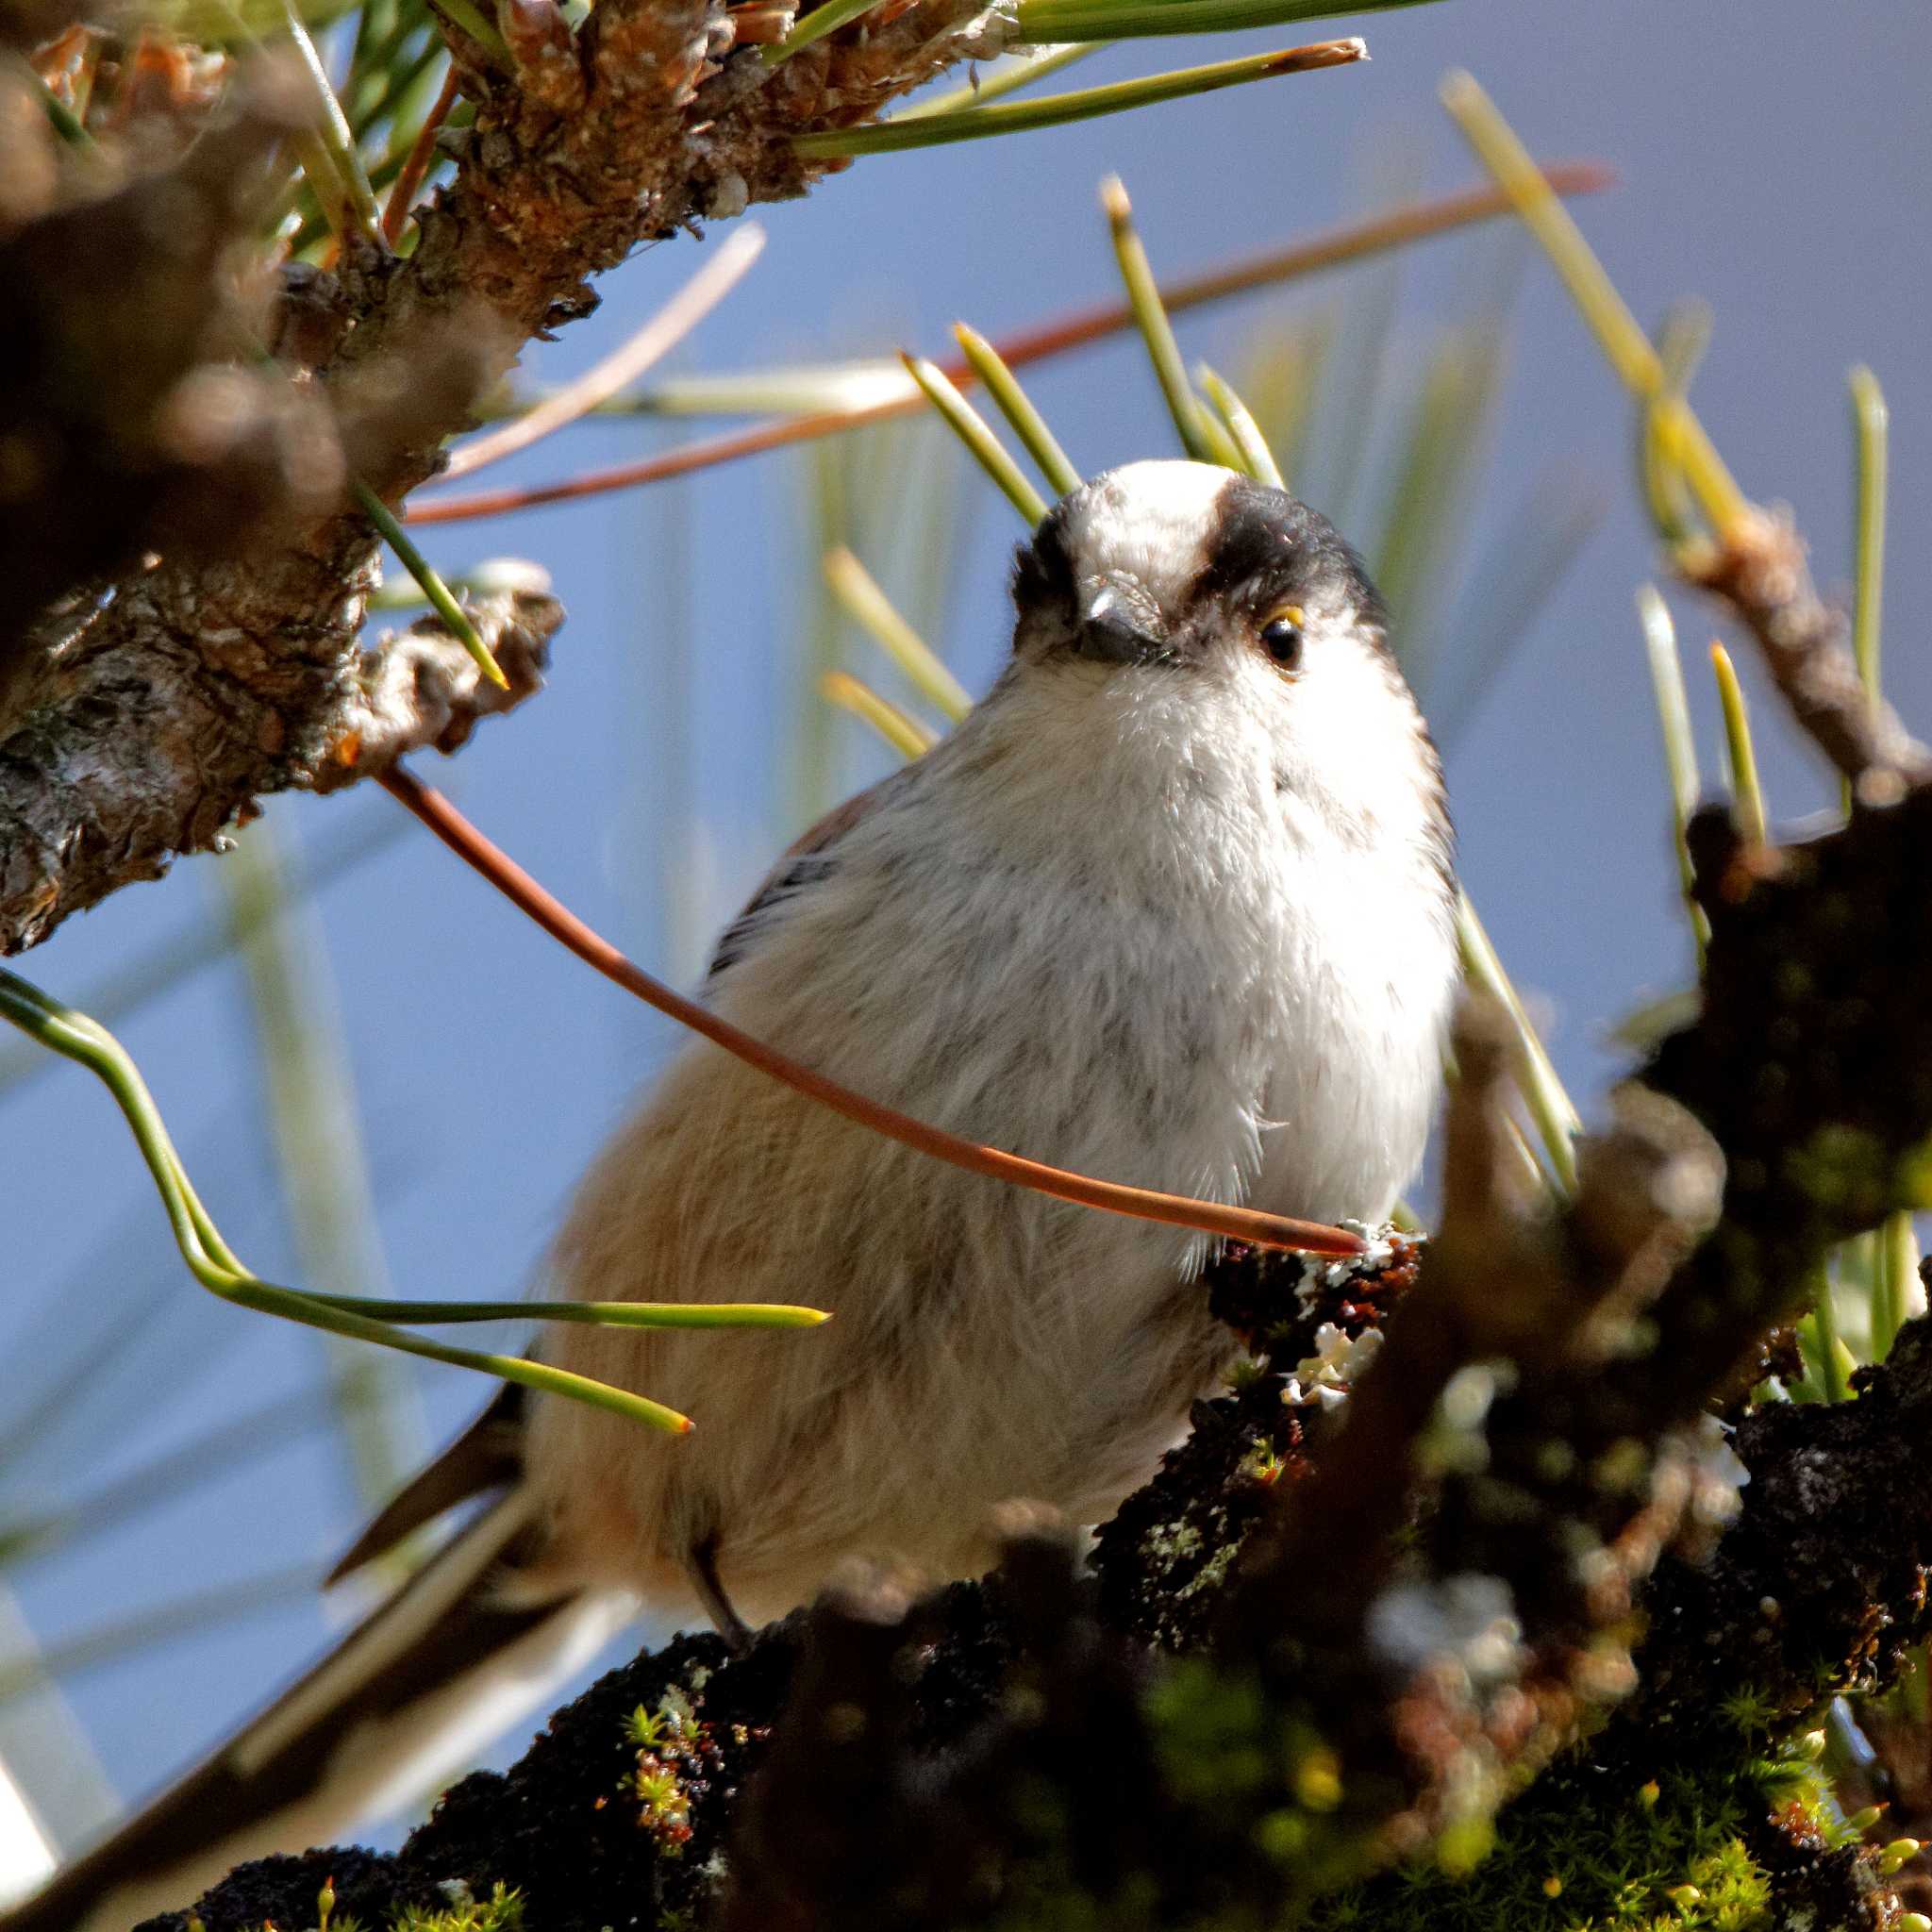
(1680, 743)
(594, 1314)
(1623, 341)
(1869, 422)
(863, 600)
(903, 732)
(1203, 438)
(419, 567)
(985, 447)
(1026, 422)
(1747, 796)
(214, 1263)
(937, 129)
(815, 26)
(1257, 460)
(1558, 1124)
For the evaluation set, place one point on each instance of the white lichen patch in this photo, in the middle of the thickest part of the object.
(1322, 1379)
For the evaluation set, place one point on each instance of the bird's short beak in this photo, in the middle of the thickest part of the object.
(1119, 623)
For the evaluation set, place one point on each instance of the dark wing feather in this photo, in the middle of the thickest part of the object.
(488, 1455)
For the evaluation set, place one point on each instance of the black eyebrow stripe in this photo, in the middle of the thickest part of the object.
(1263, 531)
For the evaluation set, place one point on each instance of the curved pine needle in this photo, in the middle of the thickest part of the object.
(214, 1263)
(1112, 1198)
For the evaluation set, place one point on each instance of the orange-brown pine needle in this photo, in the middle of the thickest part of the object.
(1139, 1204)
(417, 164)
(1414, 222)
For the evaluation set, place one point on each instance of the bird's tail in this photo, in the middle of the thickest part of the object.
(414, 1693)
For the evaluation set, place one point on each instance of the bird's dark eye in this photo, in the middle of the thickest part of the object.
(1281, 637)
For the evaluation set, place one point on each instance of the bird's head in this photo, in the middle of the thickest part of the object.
(1199, 608)
(1186, 565)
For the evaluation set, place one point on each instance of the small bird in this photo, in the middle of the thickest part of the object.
(1173, 906)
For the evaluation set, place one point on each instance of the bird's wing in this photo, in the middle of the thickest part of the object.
(801, 864)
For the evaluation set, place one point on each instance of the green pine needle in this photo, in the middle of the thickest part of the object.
(938, 128)
(597, 1314)
(1898, 1268)
(1558, 1123)
(330, 158)
(419, 567)
(214, 1263)
(1834, 1359)
(1026, 422)
(815, 26)
(1869, 420)
(1019, 70)
(1747, 795)
(1043, 21)
(66, 122)
(1203, 438)
(985, 447)
(1257, 460)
